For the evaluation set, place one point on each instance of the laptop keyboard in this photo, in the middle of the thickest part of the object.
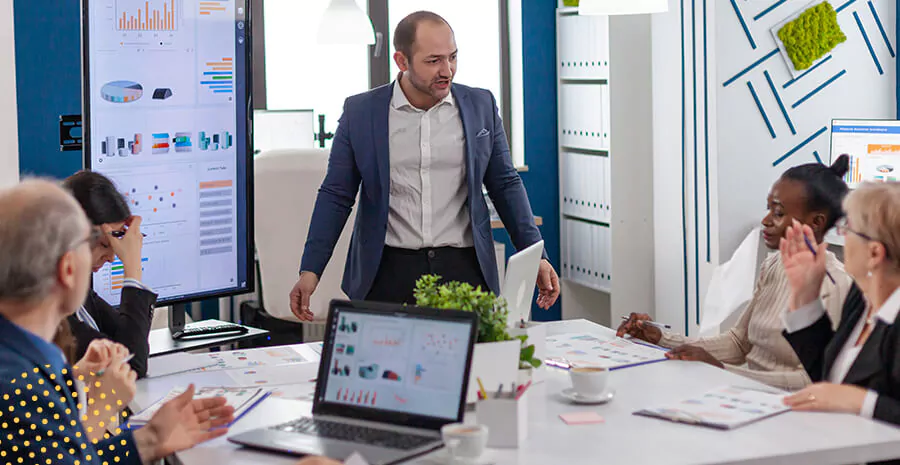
(354, 433)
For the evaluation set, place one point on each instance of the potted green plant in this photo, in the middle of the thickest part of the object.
(492, 320)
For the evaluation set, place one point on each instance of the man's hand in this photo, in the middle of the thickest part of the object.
(695, 354)
(99, 356)
(182, 423)
(301, 293)
(548, 285)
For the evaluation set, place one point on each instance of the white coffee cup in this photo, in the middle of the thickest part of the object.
(463, 441)
(589, 381)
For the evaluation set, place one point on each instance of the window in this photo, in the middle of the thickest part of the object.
(300, 73)
(476, 25)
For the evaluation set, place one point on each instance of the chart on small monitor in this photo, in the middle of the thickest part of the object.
(166, 92)
(873, 147)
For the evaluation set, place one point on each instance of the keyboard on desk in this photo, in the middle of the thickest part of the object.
(354, 433)
(201, 332)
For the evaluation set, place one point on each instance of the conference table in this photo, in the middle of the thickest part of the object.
(623, 438)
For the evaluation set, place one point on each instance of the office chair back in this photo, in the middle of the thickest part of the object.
(286, 185)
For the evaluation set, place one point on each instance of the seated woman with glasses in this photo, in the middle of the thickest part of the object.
(116, 234)
(811, 194)
(857, 366)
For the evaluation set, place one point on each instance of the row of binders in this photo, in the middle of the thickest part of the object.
(586, 186)
(583, 47)
(587, 254)
(584, 116)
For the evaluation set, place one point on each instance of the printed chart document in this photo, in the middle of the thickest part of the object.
(242, 399)
(176, 363)
(589, 350)
(727, 407)
(263, 356)
(301, 373)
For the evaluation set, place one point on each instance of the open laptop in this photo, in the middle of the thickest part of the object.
(518, 287)
(390, 377)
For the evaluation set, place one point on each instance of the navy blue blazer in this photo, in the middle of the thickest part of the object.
(39, 408)
(360, 158)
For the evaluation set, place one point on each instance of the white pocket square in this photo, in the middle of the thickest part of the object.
(483, 132)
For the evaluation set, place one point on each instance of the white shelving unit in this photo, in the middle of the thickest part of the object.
(584, 148)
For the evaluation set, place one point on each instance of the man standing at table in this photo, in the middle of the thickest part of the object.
(421, 148)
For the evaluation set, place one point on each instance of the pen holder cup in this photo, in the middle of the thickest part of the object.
(506, 418)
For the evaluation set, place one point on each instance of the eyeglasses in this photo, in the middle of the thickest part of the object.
(843, 227)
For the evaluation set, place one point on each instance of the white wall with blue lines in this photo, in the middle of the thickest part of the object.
(729, 118)
(768, 120)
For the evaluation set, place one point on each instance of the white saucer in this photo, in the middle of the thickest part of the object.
(570, 394)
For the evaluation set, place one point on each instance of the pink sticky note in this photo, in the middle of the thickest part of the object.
(581, 418)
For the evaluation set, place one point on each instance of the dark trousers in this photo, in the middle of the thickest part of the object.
(401, 268)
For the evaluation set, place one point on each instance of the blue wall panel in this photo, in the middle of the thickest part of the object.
(48, 82)
(541, 146)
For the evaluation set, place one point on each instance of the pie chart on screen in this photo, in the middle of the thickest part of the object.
(121, 91)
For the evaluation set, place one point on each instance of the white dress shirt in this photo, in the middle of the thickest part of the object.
(428, 198)
(807, 315)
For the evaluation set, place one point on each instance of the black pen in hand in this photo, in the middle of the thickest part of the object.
(813, 250)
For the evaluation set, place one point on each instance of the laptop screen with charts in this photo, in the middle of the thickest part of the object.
(401, 365)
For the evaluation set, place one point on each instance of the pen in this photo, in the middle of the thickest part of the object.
(813, 250)
(651, 323)
(481, 388)
(522, 390)
(129, 357)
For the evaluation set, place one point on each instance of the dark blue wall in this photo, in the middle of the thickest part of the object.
(48, 82)
(542, 179)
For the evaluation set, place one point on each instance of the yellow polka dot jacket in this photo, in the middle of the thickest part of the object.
(39, 408)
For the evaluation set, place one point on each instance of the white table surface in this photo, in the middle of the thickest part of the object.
(791, 438)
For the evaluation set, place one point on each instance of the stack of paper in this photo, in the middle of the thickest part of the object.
(723, 408)
(589, 350)
(242, 399)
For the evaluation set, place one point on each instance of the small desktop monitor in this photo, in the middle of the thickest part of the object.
(873, 147)
(282, 129)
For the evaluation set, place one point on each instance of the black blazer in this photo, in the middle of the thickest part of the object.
(129, 325)
(878, 365)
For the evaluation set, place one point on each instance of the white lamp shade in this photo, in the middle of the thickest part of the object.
(621, 7)
(345, 23)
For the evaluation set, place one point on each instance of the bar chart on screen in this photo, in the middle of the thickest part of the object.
(211, 8)
(218, 76)
(117, 273)
(148, 15)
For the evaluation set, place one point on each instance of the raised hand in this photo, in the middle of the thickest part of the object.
(805, 270)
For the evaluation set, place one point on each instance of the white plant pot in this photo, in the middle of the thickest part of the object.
(525, 375)
(537, 336)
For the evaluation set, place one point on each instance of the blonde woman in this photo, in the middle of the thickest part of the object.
(857, 366)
